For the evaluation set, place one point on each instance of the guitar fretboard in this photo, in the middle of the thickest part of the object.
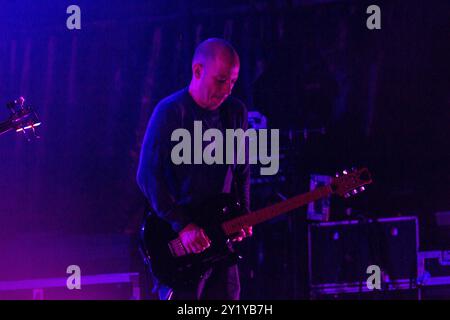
(261, 215)
(5, 126)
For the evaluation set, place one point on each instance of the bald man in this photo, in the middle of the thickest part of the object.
(215, 70)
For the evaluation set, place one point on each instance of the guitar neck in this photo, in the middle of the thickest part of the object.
(5, 126)
(261, 215)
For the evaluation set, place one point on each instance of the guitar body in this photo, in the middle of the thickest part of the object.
(221, 217)
(179, 271)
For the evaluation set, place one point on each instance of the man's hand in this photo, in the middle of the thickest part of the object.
(245, 232)
(194, 239)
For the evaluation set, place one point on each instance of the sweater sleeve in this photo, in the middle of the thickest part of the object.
(152, 174)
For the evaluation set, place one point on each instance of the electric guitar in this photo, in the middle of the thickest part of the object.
(22, 119)
(221, 217)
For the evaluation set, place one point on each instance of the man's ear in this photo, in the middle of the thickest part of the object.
(197, 70)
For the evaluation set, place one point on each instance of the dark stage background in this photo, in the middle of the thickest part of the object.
(382, 95)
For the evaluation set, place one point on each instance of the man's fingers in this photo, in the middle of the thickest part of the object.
(201, 245)
(201, 242)
(239, 236)
(248, 231)
(206, 241)
(195, 248)
(194, 239)
(243, 233)
(196, 245)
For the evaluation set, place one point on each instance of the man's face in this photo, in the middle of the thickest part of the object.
(217, 81)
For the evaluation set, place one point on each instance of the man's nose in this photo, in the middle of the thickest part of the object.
(228, 87)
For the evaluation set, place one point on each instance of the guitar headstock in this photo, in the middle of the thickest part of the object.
(351, 182)
(22, 119)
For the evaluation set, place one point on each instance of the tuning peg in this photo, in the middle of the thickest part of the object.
(34, 132)
(347, 195)
(354, 191)
(20, 101)
(344, 172)
(25, 134)
(361, 189)
(337, 174)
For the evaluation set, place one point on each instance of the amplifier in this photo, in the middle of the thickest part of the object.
(340, 254)
(434, 274)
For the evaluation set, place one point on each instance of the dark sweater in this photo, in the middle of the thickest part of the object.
(168, 186)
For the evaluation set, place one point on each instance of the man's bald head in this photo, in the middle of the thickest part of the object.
(215, 48)
(215, 70)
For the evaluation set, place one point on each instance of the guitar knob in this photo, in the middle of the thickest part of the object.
(21, 100)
